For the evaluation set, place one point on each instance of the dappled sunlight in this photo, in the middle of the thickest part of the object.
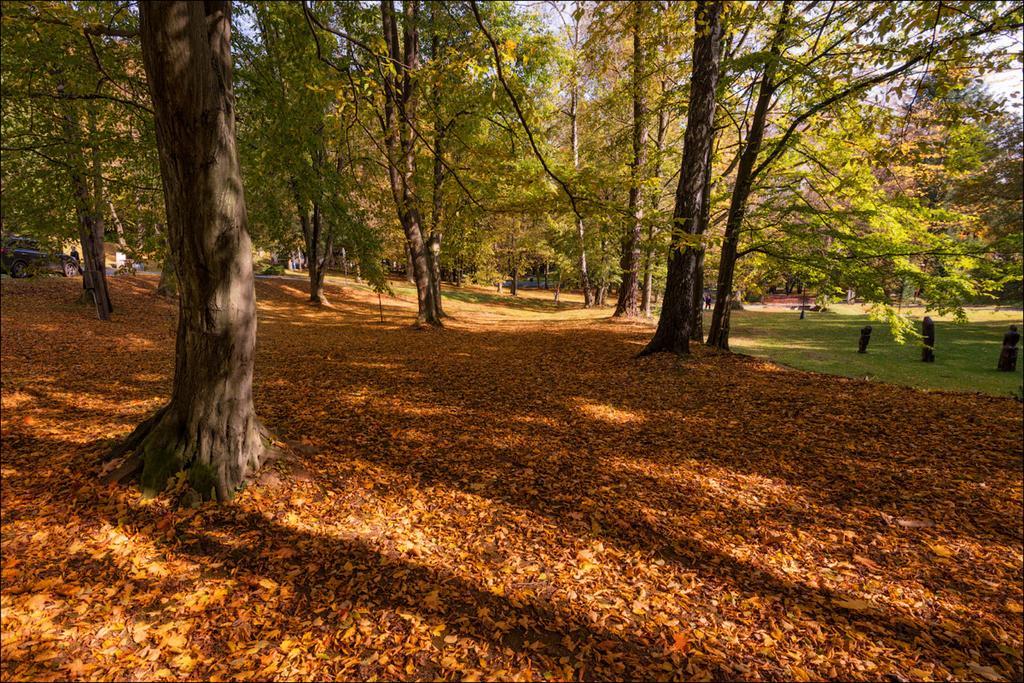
(607, 413)
(789, 344)
(516, 496)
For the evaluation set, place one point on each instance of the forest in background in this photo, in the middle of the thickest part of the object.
(482, 142)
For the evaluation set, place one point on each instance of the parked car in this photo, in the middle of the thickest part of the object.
(21, 257)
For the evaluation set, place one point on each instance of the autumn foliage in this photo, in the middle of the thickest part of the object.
(513, 497)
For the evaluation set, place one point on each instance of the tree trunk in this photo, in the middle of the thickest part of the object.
(659, 145)
(673, 333)
(209, 427)
(410, 275)
(718, 335)
(697, 307)
(98, 225)
(118, 227)
(627, 306)
(437, 203)
(434, 257)
(316, 259)
(90, 222)
(90, 234)
(168, 284)
(400, 102)
(514, 267)
(581, 237)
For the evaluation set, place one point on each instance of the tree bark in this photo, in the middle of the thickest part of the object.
(436, 196)
(659, 145)
(581, 236)
(718, 335)
(168, 284)
(513, 265)
(317, 259)
(311, 225)
(627, 305)
(89, 218)
(399, 113)
(697, 307)
(673, 333)
(209, 428)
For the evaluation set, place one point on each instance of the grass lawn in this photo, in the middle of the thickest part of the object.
(965, 354)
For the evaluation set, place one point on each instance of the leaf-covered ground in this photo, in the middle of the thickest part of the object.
(515, 497)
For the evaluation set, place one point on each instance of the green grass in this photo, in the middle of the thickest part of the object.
(965, 355)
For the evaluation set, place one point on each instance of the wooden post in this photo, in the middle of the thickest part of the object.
(928, 334)
(865, 337)
(1008, 356)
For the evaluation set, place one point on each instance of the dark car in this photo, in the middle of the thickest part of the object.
(21, 256)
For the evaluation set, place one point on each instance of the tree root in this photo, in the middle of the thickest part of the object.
(138, 448)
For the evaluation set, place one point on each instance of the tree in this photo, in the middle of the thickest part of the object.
(209, 428)
(674, 323)
(627, 305)
(401, 134)
(845, 51)
(719, 333)
(73, 119)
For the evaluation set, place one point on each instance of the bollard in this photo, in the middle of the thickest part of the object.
(1008, 356)
(865, 337)
(928, 334)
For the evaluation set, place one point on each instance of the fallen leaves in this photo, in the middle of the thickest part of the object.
(858, 605)
(515, 497)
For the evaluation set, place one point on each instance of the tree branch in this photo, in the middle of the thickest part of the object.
(519, 111)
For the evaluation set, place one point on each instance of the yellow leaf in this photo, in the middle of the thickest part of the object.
(174, 641)
(37, 601)
(854, 604)
(800, 674)
(941, 550)
(1014, 606)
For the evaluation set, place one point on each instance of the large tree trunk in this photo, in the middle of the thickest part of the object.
(673, 333)
(168, 283)
(209, 427)
(400, 103)
(410, 275)
(718, 335)
(697, 307)
(627, 305)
